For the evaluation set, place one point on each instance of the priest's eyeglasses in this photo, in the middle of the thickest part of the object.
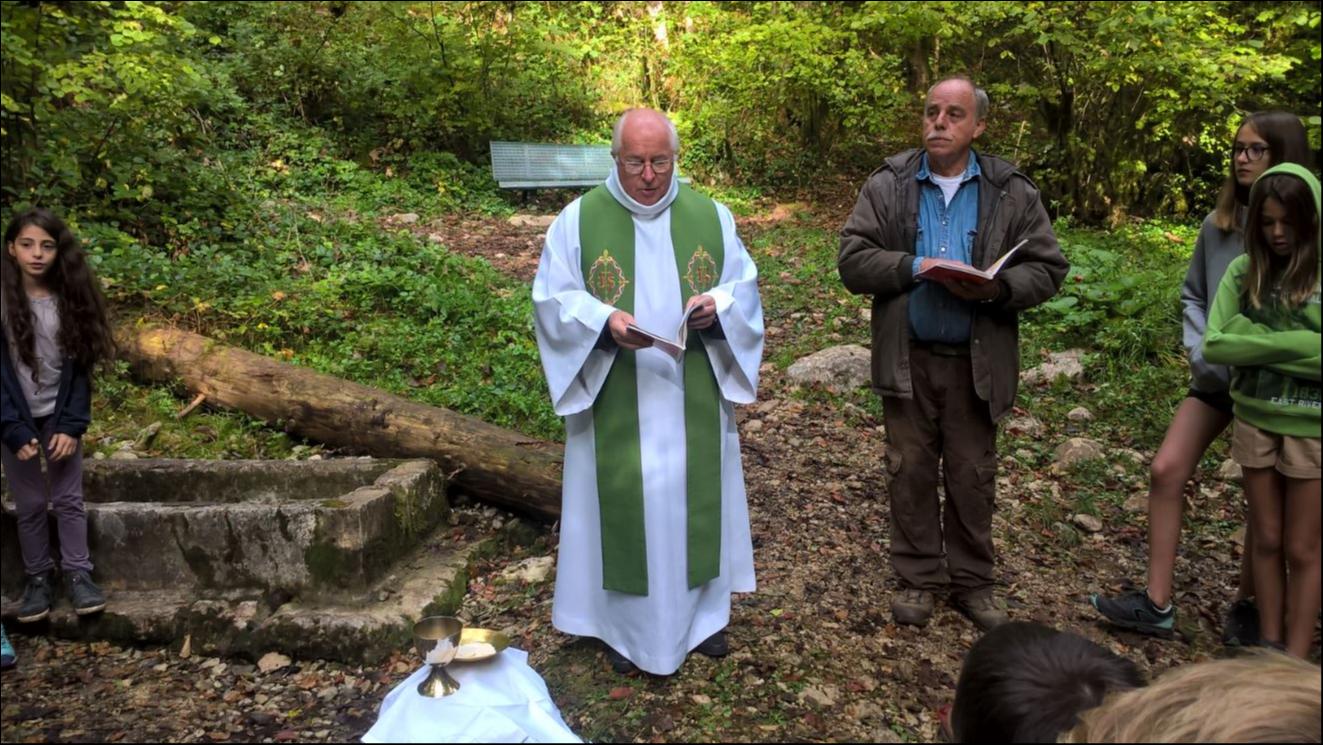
(634, 166)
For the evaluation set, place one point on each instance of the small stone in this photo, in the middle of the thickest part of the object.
(839, 369)
(1238, 537)
(1069, 363)
(1088, 523)
(124, 455)
(823, 697)
(532, 570)
(98, 455)
(1230, 471)
(1080, 414)
(147, 434)
(1136, 503)
(755, 425)
(272, 661)
(1076, 450)
(408, 218)
(701, 700)
(1024, 425)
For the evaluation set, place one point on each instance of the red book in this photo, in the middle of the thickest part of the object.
(945, 270)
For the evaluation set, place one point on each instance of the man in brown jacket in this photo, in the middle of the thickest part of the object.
(945, 353)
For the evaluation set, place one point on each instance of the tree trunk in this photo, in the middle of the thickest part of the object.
(492, 464)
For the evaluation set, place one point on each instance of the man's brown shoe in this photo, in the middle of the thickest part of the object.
(912, 607)
(982, 609)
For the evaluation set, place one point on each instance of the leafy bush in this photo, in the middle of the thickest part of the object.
(1122, 296)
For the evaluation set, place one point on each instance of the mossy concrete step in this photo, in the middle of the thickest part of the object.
(301, 529)
(354, 627)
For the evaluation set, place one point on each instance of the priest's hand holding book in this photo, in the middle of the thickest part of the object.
(704, 315)
(625, 333)
(700, 315)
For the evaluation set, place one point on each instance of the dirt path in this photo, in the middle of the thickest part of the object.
(815, 657)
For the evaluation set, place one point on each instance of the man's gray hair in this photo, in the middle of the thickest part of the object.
(980, 96)
(620, 127)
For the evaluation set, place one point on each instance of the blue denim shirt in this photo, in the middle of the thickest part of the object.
(945, 231)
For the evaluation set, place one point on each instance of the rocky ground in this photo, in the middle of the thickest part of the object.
(815, 655)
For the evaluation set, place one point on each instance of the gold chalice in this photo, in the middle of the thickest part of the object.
(437, 640)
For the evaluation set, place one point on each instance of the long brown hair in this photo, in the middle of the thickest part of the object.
(1295, 277)
(85, 333)
(1287, 143)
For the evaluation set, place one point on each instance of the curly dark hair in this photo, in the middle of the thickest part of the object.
(85, 333)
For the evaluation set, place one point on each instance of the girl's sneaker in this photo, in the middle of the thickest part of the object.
(1133, 610)
(7, 657)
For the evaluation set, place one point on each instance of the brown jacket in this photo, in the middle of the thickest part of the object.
(877, 254)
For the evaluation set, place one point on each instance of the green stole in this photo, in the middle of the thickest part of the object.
(606, 237)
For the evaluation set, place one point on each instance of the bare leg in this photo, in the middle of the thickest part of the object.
(1192, 430)
(1303, 561)
(1265, 489)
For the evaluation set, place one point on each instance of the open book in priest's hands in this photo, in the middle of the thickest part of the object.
(673, 345)
(945, 270)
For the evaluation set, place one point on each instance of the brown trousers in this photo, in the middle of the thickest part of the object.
(936, 548)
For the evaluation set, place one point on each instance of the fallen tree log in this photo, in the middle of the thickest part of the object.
(492, 464)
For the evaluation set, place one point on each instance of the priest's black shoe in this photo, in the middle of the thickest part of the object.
(619, 662)
(714, 646)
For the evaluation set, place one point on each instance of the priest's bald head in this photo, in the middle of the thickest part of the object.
(644, 145)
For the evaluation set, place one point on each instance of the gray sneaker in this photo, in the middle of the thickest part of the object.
(912, 607)
(37, 597)
(1134, 610)
(84, 595)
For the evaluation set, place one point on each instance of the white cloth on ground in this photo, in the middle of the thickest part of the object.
(499, 700)
(656, 631)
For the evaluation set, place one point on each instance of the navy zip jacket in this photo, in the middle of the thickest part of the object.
(73, 402)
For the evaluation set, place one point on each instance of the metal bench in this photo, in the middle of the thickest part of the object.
(533, 165)
(530, 165)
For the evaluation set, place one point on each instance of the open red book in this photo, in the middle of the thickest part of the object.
(945, 270)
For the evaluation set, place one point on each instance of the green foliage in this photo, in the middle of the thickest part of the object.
(1122, 296)
(104, 107)
(143, 113)
(344, 298)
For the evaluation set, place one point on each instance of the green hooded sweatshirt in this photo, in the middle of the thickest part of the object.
(1273, 350)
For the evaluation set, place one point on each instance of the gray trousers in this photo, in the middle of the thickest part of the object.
(936, 547)
(62, 486)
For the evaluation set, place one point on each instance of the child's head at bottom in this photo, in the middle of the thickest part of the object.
(1258, 697)
(1024, 682)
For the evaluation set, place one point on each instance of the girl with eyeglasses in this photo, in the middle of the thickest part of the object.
(1264, 139)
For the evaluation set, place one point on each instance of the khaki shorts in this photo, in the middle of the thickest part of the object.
(1293, 457)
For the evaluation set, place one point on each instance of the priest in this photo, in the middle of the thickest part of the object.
(654, 523)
